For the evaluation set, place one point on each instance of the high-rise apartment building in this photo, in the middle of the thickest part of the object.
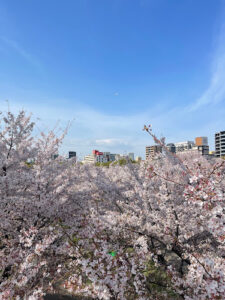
(220, 144)
(150, 151)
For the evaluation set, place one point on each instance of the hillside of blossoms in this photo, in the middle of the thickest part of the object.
(152, 230)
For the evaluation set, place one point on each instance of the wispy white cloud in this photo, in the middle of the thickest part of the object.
(215, 93)
(111, 142)
(22, 52)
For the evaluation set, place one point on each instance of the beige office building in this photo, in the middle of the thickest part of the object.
(150, 151)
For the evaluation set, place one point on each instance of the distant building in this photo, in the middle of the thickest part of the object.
(118, 157)
(131, 156)
(220, 144)
(212, 153)
(96, 152)
(138, 159)
(72, 154)
(112, 157)
(89, 159)
(203, 149)
(54, 156)
(150, 151)
(202, 144)
(171, 147)
(183, 146)
(201, 141)
(106, 155)
(121, 156)
(99, 157)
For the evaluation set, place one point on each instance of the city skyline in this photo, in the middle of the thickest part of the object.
(113, 66)
(198, 141)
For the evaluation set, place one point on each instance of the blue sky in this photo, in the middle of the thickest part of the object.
(113, 66)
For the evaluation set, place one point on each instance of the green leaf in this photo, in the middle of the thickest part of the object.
(112, 253)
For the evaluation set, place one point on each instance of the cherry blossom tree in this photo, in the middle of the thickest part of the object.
(148, 231)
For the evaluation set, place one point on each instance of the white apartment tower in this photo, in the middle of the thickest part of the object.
(220, 144)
